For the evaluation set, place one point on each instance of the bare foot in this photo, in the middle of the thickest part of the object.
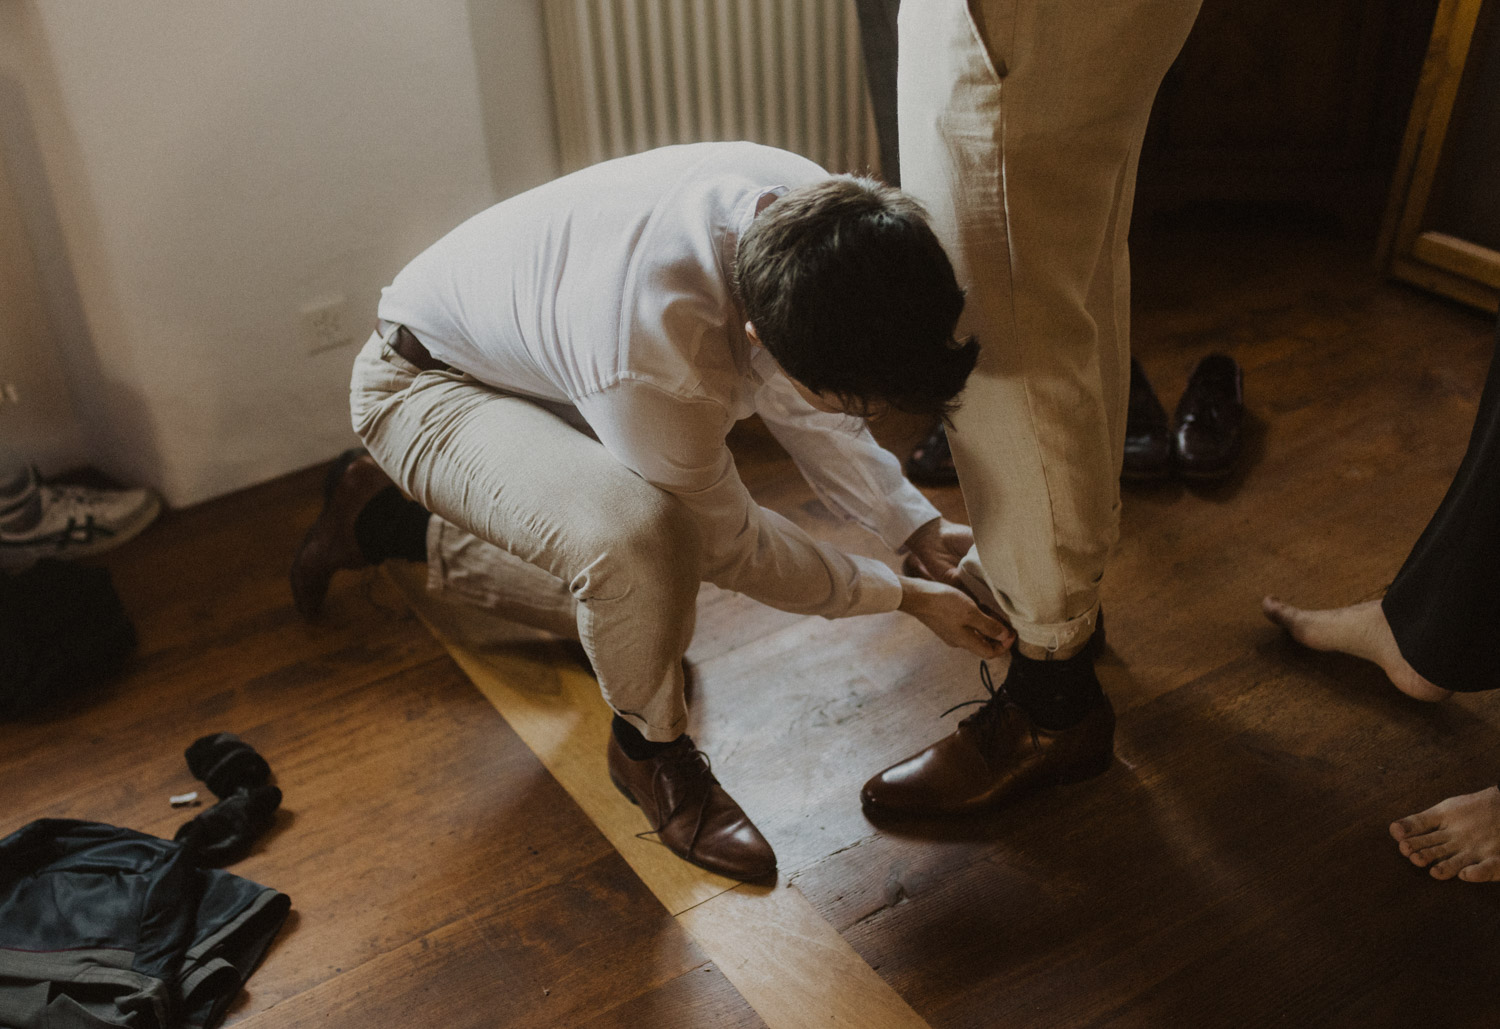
(1457, 837)
(1360, 630)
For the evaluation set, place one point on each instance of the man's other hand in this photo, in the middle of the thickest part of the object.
(938, 546)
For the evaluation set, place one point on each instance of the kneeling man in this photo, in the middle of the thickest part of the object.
(553, 382)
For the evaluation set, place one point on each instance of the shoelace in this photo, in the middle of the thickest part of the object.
(987, 718)
(77, 496)
(703, 767)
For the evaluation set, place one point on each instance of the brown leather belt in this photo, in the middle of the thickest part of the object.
(411, 348)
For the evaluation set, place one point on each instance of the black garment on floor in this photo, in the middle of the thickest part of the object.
(101, 926)
(247, 805)
(1444, 607)
(62, 631)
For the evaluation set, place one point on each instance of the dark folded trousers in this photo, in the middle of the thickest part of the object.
(1444, 607)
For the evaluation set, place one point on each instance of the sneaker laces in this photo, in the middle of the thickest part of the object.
(74, 496)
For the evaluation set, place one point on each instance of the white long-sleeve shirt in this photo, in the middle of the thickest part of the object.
(609, 291)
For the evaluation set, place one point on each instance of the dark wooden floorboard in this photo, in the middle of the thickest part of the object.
(564, 953)
(1232, 869)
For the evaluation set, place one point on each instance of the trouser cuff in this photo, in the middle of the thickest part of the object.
(1054, 637)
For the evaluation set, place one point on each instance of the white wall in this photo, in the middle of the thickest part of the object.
(198, 172)
(39, 425)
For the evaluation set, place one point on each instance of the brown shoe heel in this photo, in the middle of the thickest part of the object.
(1083, 773)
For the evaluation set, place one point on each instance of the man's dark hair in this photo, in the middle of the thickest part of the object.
(852, 293)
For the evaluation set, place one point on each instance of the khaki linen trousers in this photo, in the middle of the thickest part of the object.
(1020, 127)
(536, 521)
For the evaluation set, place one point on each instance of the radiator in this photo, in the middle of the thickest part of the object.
(629, 75)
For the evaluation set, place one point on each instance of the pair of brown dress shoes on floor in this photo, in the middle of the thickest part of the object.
(1203, 440)
(996, 756)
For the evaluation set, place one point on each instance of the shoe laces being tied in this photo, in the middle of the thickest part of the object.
(694, 772)
(991, 714)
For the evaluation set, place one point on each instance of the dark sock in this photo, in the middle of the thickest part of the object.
(247, 805)
(1056, 694)
(636, 746)
(225, 832)
(227, 764)
(389, 526)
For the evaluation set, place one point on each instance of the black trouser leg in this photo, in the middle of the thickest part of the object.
(877, 33)
(1444, 607)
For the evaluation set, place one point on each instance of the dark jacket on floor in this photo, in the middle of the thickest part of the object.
(101, 926)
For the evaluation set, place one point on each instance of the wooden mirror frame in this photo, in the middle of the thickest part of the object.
(1443, 263)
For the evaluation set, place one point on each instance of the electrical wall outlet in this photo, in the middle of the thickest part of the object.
(326, 325)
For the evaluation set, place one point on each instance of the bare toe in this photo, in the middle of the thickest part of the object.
(1456, 838)
(1486, 871)
(1448, 867)
(1274, 609)
(1415, 825)
(1425, 855)
(1295, 620)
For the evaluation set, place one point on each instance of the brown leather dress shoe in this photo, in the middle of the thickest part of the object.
(996, 756)
(352, 482)
(691, 813)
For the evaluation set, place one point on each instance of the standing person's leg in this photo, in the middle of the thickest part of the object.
(1021, 123)
(1025, 152)
(877, 34)
(522, 479)
(930, 463)
(1431, 633)
(1443, 605)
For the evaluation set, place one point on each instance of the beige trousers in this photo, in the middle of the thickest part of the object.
(537, 521)
(1021, 124)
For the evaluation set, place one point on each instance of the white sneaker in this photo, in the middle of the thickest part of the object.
(77, 521)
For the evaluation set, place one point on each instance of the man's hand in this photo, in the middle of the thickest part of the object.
(954, 617)
(938, 547)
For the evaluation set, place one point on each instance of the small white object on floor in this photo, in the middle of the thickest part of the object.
(184, 799)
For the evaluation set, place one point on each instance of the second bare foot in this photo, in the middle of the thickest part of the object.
(1359, 630)
(1458, 837)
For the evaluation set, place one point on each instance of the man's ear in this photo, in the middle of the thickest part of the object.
(750, 331)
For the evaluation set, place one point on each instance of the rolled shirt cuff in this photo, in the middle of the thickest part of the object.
(907, 511)
(879, 588)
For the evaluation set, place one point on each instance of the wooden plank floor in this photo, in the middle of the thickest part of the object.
(1232, 869)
